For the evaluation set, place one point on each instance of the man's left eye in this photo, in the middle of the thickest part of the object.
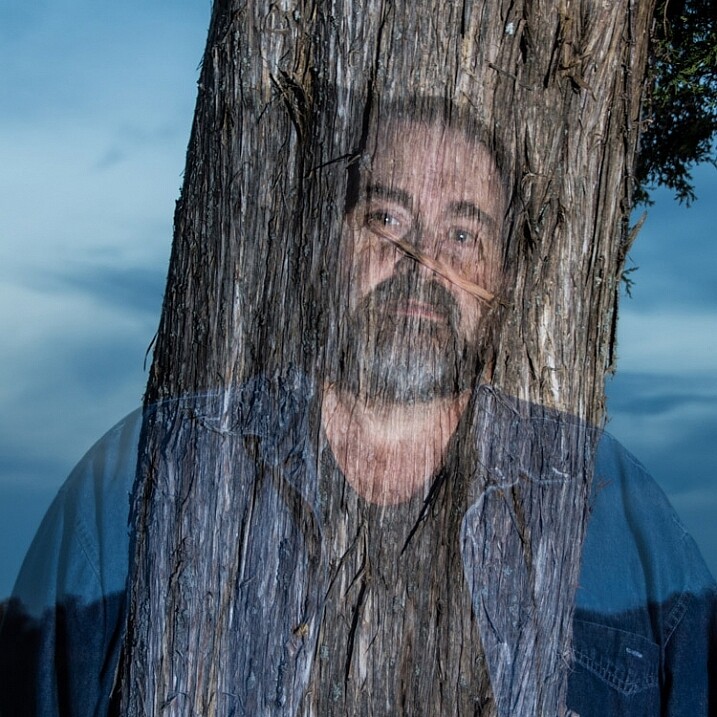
(388, 220)
(462, 236)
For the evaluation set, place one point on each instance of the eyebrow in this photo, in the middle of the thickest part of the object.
(381, 191)
(471, 211)
(465, 209)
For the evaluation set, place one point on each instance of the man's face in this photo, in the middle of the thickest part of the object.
(414, 330)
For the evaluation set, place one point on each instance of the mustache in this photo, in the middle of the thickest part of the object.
(403, 287)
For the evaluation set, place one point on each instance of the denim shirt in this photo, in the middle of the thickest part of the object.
(644, 627)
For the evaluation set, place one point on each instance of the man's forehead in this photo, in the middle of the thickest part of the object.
(404, 153)
(404, 146)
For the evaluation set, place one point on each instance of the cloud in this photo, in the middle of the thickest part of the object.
(128, 140)
(126, 288)
(74, 366)
(114, 155)
(663, 400)
(669, 422)
(654, 394)
(97, 108)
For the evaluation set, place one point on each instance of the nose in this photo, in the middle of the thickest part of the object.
(423, 238)
(411, 267)
(431, 262)
(405, 265)
(420, 248)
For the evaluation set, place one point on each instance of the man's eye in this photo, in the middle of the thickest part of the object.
(384, 222)
(462, 236)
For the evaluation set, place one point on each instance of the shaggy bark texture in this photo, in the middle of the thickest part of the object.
(288, 92)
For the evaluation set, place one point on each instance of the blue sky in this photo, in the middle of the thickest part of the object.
(97, 107)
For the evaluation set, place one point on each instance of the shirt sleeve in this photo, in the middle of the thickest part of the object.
(646, 603)
(61, 631)
(691, 647)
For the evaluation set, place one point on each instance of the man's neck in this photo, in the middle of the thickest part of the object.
(388, 452)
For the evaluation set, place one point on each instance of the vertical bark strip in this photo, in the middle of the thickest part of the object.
(286, 91)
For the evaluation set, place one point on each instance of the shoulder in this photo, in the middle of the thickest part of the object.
(99, 487)
(84, 537)
(645, 605)
(102, 480)
(80, 549)
(636, 550)
(107, 469)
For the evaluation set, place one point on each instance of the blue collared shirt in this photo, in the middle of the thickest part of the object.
(644, 629)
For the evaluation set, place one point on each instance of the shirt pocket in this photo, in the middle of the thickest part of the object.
(627, 662)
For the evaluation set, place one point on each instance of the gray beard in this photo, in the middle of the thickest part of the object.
(391, 359)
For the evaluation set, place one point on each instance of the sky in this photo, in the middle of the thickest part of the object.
(97, 106)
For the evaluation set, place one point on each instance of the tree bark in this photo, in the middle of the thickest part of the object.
(286, 91)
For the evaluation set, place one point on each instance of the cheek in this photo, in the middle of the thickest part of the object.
(471, 314)
(485, 271)
(371, 261)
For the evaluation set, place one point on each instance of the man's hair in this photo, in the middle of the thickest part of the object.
(430, 111)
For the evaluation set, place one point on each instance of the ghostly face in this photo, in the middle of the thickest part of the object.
(413, 332)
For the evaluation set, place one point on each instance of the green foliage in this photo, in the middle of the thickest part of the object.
(680, 121)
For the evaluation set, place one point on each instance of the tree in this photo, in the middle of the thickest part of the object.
(681, 108)
(286, 92)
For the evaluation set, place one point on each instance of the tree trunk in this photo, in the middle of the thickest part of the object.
(287, 91)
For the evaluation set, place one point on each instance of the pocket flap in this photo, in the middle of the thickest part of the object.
(626, 661)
